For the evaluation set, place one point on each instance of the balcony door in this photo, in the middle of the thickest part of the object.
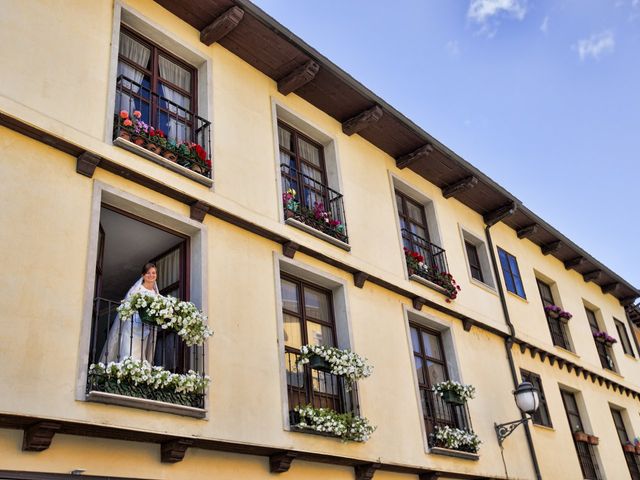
(556, 327)
(585, 451)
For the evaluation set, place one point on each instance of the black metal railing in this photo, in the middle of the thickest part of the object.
(439, 413)
(633, 463)
(587, 459)
(179, 125)
(604, 354)
(113, 340)
(314, 203)
(558, 334)
(435, 257)
(308, 386)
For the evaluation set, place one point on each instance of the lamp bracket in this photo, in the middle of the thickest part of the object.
(503, 430)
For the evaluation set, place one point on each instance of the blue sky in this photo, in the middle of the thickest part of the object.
(543, 96)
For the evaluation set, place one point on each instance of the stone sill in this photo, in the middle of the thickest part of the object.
(308, 431)
(155, 158)
(454, 453)
(317, 233)
(145, 404)
(427, 283)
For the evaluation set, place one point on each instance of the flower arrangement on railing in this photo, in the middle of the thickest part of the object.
(604, 337)
(131, 377)
(168, 313)
(336, 361)
(415, 263)
(188, 154)
(454, 392)
(346, 426)
(556, 312)
(318, 215)
(456, 439)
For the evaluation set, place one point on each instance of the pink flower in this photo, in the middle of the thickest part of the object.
(137, 114)
(124, 114)
(127, 123)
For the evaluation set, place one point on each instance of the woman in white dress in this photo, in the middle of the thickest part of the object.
(133, 338)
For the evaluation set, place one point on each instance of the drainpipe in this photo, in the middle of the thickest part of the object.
(508, 343)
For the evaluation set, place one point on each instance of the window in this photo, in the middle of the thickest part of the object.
(163, 89)
(540, 416)
(585, 451)
(431, 368)
(556, 327)
(624, 337)
(309, 319)
(474, 261)
(604, 351)
(631, 458)
(307, 197)
(511, 273)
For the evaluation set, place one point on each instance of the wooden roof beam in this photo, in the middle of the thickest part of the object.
(610, 287)
(419, 154)
(281, 462)
(460, 186)
(221, 26)
(551, 247)
(298, 77)
(362, 120)
(592, 276)
(528, 231)
(366, 471)
(500, 213)
(574, 262)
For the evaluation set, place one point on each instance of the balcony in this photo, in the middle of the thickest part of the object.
(313, 207)
(162, 131)
(440, 414)
(133, 363)
(427, 263)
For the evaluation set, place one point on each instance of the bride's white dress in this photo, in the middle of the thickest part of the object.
(131, 338)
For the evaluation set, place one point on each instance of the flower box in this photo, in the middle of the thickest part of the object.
(454, 393)
(637, 449)
(593, 440)
(600, 340)
(629, 448)
(146, 317)
(581, 437)
(346, 426)
(453, 398)
(318, 363)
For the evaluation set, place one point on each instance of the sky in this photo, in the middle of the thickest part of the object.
(541, 95)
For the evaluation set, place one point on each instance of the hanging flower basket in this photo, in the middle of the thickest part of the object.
(629, 448)
(146, 317)
(637, 449)
(454, 393)
(453, 398)
(581, 437)
(593, 440)
(318, 363)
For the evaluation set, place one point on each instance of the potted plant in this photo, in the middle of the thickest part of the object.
(336, 361)
(157, 140)
(346, 426)
(291, 206)
(629, 447)
(455, 439)
(604, 337)
(169, 151)
(453, 392)
(593, 440)
(125, 125)
(581, 437)
(558, 313)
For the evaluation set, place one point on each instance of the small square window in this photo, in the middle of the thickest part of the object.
(511, 273)
(540, 416)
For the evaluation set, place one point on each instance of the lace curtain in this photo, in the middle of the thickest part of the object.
(178, 129)
(138, 54)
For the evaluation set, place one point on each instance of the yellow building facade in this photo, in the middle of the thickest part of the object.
(295, 224)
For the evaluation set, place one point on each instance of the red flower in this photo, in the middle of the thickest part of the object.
(202, 154)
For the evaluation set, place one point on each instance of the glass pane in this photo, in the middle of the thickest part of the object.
(177, 104)
(419, 231)
(514, 265)
(314, 179)
(420, 371)
(309, 152)
(174, 73)
(316, 305)
(436, 372)
(415, 340)
(399, 203)
(285, 138)
(290, 296)
(319, 334)
(414, 213)
(292, 334)
(431, 345)
(134, 51)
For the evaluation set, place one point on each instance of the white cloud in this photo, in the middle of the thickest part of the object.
(453, 47)
(544, 28)
(482, 11)
(596, 45)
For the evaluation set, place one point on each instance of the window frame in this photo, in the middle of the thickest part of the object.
(557, 329)
(474, 263)
(625, 341)
(605, 352)
(507, 272)
(584, 451)
(538, 417)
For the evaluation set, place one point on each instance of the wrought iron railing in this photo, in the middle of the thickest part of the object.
(178, 124)
(439, 413)
(558, 333)
(114, 341)
(308, 386)
(435, 257)
(588, 462)
(604, 354)
(314, 203)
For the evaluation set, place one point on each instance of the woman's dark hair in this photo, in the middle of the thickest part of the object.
(147, 267)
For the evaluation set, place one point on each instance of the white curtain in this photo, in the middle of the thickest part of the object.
(168, 269)
(138, 54)
(178, 130)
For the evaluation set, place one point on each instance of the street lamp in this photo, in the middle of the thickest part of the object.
(528, 400)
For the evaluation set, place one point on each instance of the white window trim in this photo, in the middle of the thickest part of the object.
(431, 212)
(340, 305)
(137, 21)
(451, 354)
(104, 193)
(485, 259)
